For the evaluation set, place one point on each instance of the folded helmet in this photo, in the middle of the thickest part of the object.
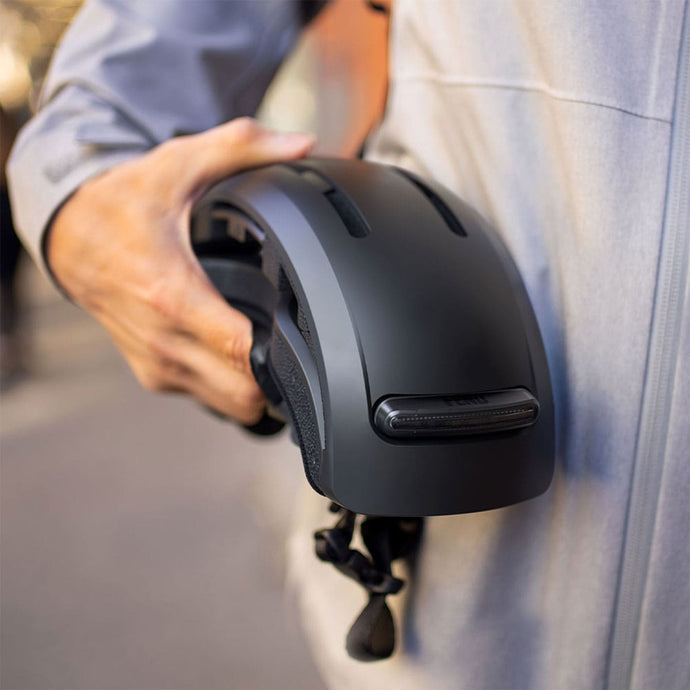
(392, 328)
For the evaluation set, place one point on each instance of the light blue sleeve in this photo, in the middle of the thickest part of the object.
(129, 74)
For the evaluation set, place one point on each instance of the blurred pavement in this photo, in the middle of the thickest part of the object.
(142, 540)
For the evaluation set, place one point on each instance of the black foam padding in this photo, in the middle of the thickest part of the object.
(295, 392)
(303, 326)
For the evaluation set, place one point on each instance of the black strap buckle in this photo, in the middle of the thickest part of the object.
(372, 635)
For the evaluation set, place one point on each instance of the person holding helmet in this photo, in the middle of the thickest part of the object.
(567, 125)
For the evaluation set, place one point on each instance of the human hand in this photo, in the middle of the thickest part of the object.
(120, 248)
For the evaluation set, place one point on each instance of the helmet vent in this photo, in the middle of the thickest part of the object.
(448, 216)
(352, 219)
(348, 212)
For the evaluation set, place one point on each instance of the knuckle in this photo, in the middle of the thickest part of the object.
(151, 381)
(250, 397)
(245, 129)
(164, 376)
(151, 342)
(252, 418)
(164, 363)
(160, 296)
(237, 347)
(250, 415)
(172, 371)
(173, 296)
(159, 353)
(237, 352)
(171, 148)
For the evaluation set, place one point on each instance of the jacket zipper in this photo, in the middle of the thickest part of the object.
(658, 390)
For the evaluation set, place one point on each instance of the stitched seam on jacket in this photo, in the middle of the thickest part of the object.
(534, 87)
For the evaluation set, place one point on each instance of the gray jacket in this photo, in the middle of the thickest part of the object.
(567, 124)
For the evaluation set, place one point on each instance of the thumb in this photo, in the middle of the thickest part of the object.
(225, 150)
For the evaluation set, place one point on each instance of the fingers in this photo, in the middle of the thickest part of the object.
(188, 339)
(234, 394)
(220, 341)
(222, 151)
(223, 330)
(165, 362)
(193, 308)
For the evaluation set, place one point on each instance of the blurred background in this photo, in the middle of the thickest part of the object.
(141, 540)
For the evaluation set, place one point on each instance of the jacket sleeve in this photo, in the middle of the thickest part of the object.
(130, 74)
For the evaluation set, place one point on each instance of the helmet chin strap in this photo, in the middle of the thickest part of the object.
(372, 635)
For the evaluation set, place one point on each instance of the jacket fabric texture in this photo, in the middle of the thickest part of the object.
(567, 125)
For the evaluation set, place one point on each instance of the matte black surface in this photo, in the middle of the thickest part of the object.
(409, 308)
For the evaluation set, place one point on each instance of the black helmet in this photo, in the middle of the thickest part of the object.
(393, 324)
(393, 330)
